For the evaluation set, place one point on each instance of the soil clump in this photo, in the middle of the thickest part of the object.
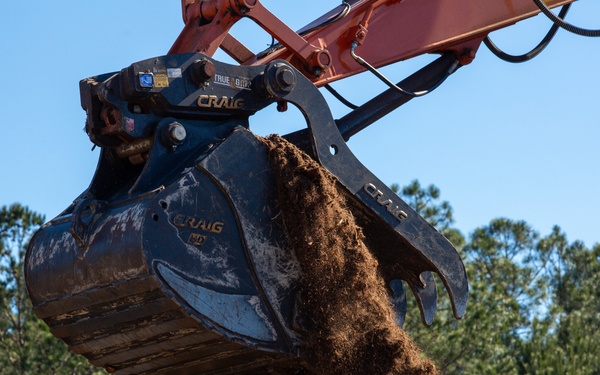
(346, 310)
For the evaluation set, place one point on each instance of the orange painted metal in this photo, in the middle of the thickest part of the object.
(387, 31)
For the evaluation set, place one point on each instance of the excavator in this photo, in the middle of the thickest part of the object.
(175, 259)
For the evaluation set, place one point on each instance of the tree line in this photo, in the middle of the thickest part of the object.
(533, 300)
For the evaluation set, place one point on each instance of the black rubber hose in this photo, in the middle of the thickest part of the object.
(339, 97)
(534, 52)
(560, 22)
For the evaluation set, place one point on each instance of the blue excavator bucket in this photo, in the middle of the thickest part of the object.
(176, 258)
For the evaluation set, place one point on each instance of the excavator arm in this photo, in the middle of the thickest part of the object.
(176, 258)
(385, 31)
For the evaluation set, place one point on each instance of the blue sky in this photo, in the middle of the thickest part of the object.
(499, 139)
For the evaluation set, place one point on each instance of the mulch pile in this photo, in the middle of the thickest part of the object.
(346, 310)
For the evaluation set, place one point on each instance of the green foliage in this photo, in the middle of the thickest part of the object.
(566, 341)
(425, 202)
(533, 301)
(26, 345)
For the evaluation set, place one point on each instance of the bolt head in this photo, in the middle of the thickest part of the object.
(178, 134)
(203, 70)
(285, 77)
(175, 134)
(279, 79)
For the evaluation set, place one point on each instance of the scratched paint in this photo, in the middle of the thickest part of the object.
(277, 268)
(238, 313)
(216, 257)
(63, 243)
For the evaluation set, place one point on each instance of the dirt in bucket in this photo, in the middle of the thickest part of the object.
(349, 319)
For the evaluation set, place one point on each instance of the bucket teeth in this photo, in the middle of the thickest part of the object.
(426, 295)
(398, 299)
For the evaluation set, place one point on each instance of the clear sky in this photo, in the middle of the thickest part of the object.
(499, 139)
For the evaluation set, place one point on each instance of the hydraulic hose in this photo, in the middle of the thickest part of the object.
(339, 97)
(560, 22)
(534, 52)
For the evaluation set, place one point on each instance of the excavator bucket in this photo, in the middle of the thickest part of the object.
(175, 259)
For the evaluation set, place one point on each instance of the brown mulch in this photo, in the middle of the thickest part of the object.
(345, 306)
